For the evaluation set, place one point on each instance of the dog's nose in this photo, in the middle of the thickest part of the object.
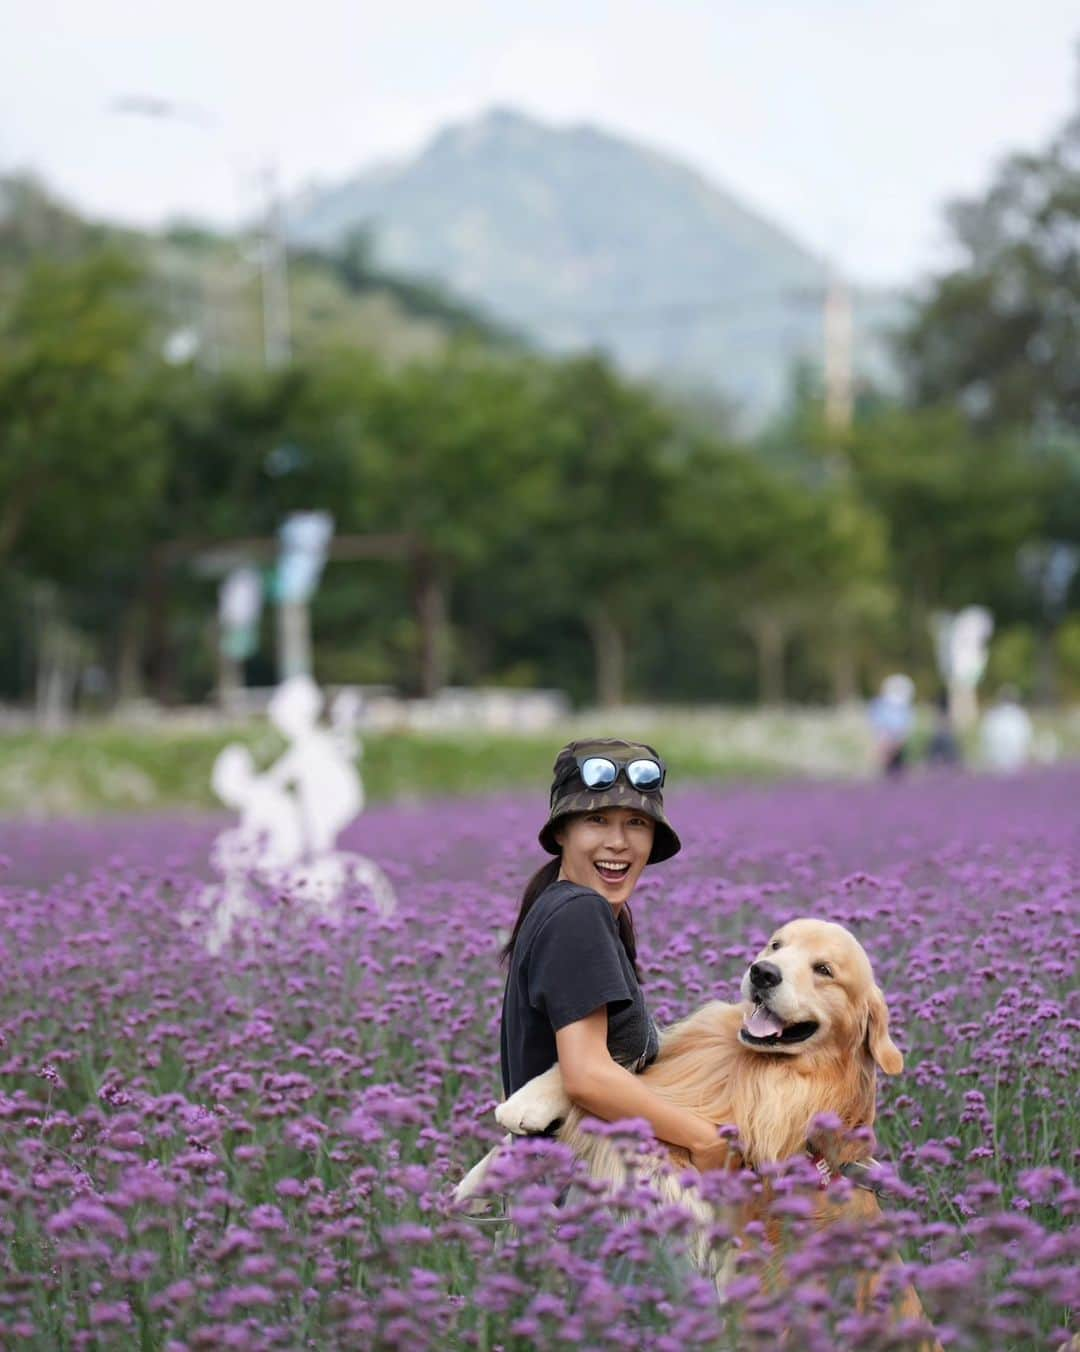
(764, 975)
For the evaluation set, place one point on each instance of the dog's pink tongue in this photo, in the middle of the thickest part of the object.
(763, 1023)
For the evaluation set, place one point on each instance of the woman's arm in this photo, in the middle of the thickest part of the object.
(602, 1087)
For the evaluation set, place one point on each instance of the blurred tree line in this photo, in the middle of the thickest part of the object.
(573, 528)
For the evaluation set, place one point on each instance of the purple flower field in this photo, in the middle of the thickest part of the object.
(257, 1151)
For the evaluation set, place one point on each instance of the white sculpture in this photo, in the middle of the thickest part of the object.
(269, 834)
(305, 540)
(291, 816)
(317, 765)
(961, 642)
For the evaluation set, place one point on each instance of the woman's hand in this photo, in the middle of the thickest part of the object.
(597, 1084)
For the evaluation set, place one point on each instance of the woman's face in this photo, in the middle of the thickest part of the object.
(606, 850)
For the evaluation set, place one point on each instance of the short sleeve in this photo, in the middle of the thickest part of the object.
(574, 965)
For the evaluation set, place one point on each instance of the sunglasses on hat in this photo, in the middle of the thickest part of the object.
(600, 772)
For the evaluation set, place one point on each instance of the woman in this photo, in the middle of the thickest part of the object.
(572, 990)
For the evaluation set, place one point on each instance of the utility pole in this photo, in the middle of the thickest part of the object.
(277, 326)
(273, 264)
(838, 338)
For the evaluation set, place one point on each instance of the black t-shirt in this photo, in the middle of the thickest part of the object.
(568, 961)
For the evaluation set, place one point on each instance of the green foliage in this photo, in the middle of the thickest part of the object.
(121, 769)
(1067, 644)
(998, 334)
(80, 454)
(957, 509)
(1012, 660)
(994, 341)
(601, 539)
(576, 528)
(353, 261)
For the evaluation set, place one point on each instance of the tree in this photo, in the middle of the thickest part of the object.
(79, 446)
(602, 540)
(81, 450)
(996, 338)
(783, 557)
(447, 451)
(957, 509)
(998, 334)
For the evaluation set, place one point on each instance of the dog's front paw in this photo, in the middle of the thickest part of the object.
(536, 1105)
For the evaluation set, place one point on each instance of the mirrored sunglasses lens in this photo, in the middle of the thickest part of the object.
(597, 772)
(644, 774)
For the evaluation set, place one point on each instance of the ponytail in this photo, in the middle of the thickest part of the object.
(629, 938)
(544, 876)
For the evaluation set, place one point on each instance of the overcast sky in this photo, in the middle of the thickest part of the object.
(848, 122)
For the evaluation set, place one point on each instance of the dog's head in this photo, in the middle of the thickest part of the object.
(811, 989)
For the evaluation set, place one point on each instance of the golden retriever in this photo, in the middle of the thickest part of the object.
(806, 1039)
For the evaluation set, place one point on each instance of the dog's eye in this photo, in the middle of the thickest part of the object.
(775, 943)
(822, 969)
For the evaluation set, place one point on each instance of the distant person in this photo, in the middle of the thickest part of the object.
(892, 718)
(1006, 733)
(944, 748)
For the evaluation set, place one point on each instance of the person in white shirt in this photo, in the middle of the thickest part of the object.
(1006, 733)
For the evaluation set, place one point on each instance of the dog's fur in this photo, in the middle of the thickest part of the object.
(769, 1089)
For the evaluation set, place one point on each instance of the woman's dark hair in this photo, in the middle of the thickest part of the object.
(543, 878)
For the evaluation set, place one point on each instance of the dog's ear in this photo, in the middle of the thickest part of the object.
(878, 1042)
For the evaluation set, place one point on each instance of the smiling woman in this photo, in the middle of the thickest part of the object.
(573, 992)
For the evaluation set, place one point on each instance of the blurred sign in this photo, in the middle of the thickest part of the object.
(961, 643)
(239, 608)
(305, 538)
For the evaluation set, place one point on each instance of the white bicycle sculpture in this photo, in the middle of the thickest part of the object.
(290, 818)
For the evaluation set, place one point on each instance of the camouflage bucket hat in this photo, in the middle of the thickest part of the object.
(569, 795)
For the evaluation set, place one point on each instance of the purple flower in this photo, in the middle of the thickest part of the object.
(89, 1215)
(104, 1314)
(263, 1145)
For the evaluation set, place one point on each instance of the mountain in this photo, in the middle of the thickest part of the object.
(582, 239)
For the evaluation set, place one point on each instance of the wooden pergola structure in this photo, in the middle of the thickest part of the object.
(428, 591)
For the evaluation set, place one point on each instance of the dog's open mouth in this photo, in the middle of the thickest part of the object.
(762, 1028)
